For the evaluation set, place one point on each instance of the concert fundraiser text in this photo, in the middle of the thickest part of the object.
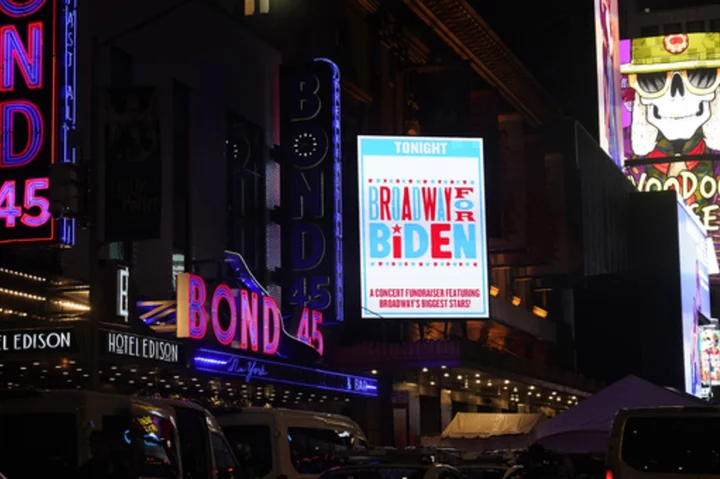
(423, 227)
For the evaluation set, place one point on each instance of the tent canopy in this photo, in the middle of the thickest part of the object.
(472, 425)
(585, 428)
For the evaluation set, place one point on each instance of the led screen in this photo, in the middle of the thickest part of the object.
(422, 227)
(695, 291)
(697, 182)
(669, 95)
(710, 357)
(607, 49)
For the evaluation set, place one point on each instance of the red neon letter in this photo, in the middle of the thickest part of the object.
(13, 8)
(437, 241)
(271, 312)
(224, 336)
(8, 157)
(191, 317)
(29, 60)
(248, 320)
(317, 335)
(385, 203)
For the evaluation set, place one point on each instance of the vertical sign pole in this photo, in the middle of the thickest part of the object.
(94, 230)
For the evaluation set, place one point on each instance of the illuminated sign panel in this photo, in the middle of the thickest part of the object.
(697, 183)
(607, 45)
(250, 368)
(710, 356)
(239, 318)
(695, 292)
(670, 101)
(312, 189)
(37, 115)
(37, 340)
(130, 345)
(422, 227)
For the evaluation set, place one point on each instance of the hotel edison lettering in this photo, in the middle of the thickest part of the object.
(155, 349)
(36, 341)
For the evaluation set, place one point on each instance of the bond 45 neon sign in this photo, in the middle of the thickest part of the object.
(37, 115)
(251, 321)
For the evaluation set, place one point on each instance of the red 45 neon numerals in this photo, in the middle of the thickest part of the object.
(9, 211)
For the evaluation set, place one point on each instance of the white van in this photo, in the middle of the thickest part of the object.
(286, 444)
(70, 434)
(662, 442)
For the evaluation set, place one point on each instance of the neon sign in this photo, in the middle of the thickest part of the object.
(254, 322)
(37, 115)
(312, 186)
(250, 368)
(697, 183)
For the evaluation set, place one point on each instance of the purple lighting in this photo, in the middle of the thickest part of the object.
(250, 368)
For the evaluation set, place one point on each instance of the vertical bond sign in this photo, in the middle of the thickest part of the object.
(423, 239)
(312, 189)
(37, 115)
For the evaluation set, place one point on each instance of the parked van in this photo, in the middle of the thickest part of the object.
(664, 442)
(69, 434)
(285, 443)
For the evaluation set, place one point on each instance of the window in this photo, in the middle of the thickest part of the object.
(672, 28)
(252, 446)
(38, 445)
(313, 451)
(224, 461)
(649, 31)
(715, 25)
(194, 451)
(156, 444)
(660, 445)
(696, 26)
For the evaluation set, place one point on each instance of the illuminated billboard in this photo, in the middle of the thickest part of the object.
(695, 291)
(423, 244)
(607, 53)
(669, 95)
(697, 183)
(37, 115)
(710, 356)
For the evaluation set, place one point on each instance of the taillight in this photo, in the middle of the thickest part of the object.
(608, 474)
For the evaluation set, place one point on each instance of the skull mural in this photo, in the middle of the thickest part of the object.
(675, 99)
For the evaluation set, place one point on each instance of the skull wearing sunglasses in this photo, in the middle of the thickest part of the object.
(676, 104)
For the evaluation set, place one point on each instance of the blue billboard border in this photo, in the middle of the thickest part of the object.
(483, 227)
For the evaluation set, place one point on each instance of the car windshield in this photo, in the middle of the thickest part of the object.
(382, 472)
(681, 445)
(38, 445)
(483, 472)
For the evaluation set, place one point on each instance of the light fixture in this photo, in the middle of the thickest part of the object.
(539, 312)
(516, 301)
(494, 290)
(477, 381)
(432, 383)
(554, 393)
(443, 367)
(447, 375)
(374, 371)
(507, 381)
(424, 370)
(477, 375)
(532, 387)
(459, 377)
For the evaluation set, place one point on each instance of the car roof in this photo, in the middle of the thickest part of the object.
(224, 415)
